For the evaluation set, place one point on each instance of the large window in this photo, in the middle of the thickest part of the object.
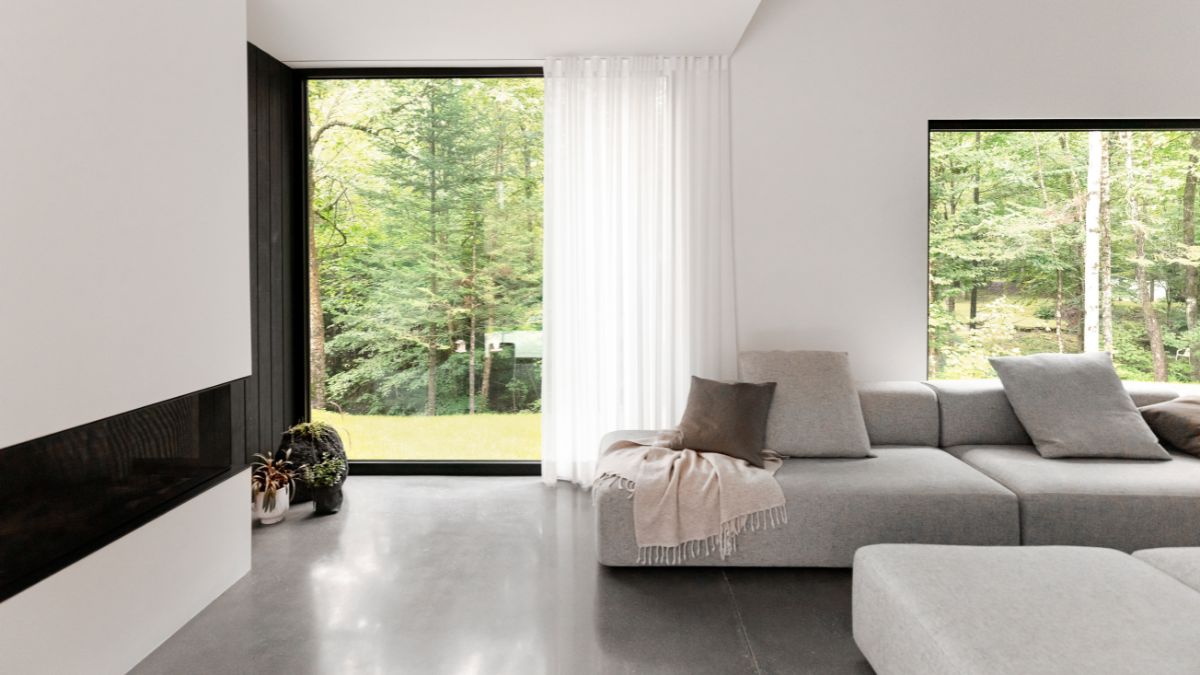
(425, 265)
(1064, 240)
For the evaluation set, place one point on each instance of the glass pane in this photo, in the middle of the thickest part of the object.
(426, 266)
(1064, 241)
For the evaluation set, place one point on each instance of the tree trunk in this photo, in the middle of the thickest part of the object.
(1144, 284)
(931, 355)
(1058, 313)
(1106, 301)
(1189, 239)
(318, 370)
(951, 304)
(1064, 140)
(471, 341)
(316, 323)
(471, 367)
(1091, 245)
(527, 175)
(485, 387)
(975, 185)
(431, 333)
(431, 375)
(1058, 293)
(491, 299)
(975, 200)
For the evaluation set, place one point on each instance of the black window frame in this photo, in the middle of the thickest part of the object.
(390, 467)
(1066, 124)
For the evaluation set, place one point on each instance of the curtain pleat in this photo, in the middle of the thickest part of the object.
(639, 289)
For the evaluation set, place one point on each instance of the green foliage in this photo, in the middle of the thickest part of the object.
(427, 196)
(1006, 218)
(315, 430)
(1045, 312)
(269, 475)
(329, 472)
(965, 352)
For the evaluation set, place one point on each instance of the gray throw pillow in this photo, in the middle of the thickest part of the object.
(1176, 422)
(816, 412)
(727, 417)
(1074, 405)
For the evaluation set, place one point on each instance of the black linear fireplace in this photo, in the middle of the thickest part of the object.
(68, 494)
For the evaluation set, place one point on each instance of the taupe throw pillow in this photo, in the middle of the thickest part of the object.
(816, 412)
(1074, 405)
(1176, 422)
(727, 417)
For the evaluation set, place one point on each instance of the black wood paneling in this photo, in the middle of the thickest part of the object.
(271, 399)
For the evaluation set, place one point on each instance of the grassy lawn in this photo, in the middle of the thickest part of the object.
(474, 437)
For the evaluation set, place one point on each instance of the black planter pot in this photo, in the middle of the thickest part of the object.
(326, 500)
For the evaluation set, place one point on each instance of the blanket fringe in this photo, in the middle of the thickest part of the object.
(724, 544)
(619, 482)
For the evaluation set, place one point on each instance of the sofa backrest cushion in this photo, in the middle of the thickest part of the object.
(815, 411)
(1149, 393)
(977, 412)
(899, 413)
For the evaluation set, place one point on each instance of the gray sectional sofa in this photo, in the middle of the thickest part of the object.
(953, 465)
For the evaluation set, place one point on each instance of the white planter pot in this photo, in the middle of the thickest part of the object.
(282, 498)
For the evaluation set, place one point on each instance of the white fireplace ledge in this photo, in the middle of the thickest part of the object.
(106, 612)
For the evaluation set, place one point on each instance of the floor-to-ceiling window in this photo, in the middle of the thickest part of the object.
(425, 264)
(1064, 237)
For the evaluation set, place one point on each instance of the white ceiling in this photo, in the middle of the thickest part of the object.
(316, 33)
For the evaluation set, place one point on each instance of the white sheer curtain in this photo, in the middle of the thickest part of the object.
(638, 256)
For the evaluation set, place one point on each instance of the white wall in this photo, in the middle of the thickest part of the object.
(108, 611)
(321, 33)
(830, 105)
(124, 273)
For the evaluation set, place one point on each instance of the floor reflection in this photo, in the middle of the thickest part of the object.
(493, 575)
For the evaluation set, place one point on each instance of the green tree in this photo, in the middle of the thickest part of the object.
(428, 237)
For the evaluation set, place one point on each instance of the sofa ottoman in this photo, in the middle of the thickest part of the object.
(1020, 610)
(1181, 563)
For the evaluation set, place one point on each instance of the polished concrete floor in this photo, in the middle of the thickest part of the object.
(498, 575)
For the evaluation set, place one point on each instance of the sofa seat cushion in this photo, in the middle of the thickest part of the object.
(1115, 503)
(1020, 610)
(1182, 563)
(903, 494)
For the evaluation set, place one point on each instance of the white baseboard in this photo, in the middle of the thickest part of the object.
(108, 611)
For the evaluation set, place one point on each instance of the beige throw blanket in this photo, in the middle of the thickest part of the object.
(688, 504)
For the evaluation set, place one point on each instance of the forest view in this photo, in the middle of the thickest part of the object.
(1049, 241)
(425, 265)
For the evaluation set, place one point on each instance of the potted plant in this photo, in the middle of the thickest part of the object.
(324, 480)
(271, 481)
(309, 442)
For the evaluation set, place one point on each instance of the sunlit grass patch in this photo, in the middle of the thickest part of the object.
(491, 436)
